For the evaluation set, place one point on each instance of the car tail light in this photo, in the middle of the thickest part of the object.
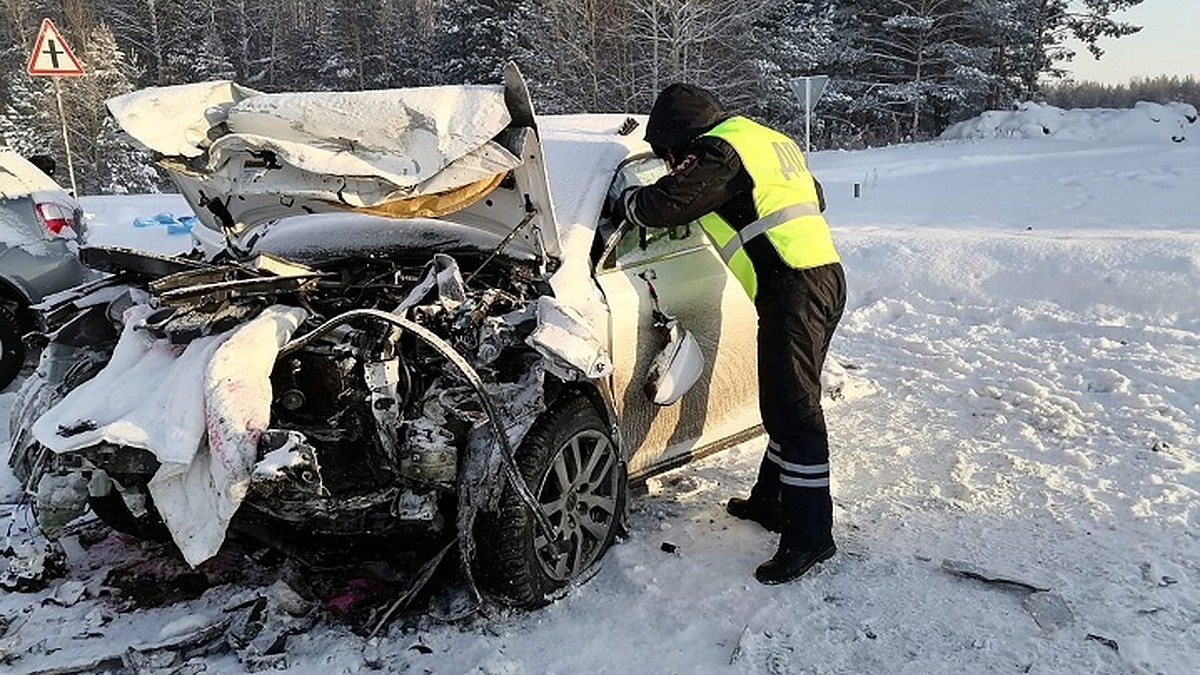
(55, 218)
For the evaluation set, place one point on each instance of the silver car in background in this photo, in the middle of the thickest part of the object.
(40, 229)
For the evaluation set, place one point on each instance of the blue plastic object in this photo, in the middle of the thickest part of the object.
(181, 225)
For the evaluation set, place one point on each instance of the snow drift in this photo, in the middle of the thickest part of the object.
(1145, 122)
(1023, 336)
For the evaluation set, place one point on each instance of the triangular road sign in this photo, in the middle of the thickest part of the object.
(51, 55)
(815, 85)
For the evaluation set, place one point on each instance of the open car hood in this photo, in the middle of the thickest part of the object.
(242, 158)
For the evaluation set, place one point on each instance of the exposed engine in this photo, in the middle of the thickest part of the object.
(371, 424)
(385, 417)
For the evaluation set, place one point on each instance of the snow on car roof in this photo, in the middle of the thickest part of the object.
(582, 152)
(19, 178)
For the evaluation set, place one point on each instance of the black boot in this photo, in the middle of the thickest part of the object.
(767, 514)
(788, 564)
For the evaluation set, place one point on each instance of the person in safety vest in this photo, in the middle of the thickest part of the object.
(750, 190)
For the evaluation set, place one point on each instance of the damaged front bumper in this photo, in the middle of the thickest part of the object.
(378, 424)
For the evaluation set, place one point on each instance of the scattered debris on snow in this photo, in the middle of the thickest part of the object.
(1107, 642)
(29, 564)
(266, 619)
(67, 593)
(972, 571)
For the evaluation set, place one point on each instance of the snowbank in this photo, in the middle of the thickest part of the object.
(1145, 122)
(1023, 347)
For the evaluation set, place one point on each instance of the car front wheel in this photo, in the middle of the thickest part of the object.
(578, 476)
(12, 348)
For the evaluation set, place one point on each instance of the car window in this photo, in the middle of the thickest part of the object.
(637, 171)
(659, 241)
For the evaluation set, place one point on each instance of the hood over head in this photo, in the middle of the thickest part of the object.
(680, 114)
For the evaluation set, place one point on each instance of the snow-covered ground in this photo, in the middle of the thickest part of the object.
(1022, 395)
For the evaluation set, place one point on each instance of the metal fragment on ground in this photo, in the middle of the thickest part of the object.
(177, 655)
(971, 571)
(1107, 642)
(260, 633)
(60, 499)
(68, 593)
(177, 650)
(93, 623)
(29, 565)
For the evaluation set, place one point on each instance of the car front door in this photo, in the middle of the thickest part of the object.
(694, 286)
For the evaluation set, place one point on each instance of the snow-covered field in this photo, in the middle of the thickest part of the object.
(1022, 395)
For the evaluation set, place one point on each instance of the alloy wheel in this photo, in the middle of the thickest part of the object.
(579, 495)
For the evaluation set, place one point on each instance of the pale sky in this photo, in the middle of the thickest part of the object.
(1168, 44)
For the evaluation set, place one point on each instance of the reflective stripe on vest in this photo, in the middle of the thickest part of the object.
(765, 223)
(784, 192)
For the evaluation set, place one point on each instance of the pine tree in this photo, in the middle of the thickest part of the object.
(102, 163)
(1049, 23)
(29, 126)
(208, 58)
(908, 66)
(789, 39)
(373, 44)
(475, 38)
(29, 121)
(592, 58)
(699, 41)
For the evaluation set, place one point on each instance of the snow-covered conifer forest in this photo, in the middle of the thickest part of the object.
(900, 69)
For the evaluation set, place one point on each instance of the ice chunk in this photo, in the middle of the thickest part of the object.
(1049, 610)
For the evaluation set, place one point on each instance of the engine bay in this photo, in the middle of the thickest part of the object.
(385, 405)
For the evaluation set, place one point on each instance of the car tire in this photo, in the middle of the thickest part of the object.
(12, 348)
(569, 444)
(111, 509)
(34, 397)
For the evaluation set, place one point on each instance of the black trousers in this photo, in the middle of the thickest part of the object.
(798, 311)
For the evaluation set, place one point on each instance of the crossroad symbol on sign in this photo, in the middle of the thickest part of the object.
(51, 55)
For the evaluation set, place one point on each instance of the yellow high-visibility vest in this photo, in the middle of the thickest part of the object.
(785, 199)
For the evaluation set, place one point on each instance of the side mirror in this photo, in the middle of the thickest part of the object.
(676, 368)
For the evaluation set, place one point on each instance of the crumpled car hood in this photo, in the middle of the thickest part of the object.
(243, 158)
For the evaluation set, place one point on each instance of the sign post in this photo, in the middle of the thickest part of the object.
(808, 90)
(51, 57)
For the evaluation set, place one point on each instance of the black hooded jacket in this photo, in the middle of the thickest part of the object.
(707, 174)
(681, 113)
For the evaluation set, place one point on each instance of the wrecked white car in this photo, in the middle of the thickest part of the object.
(408, 320)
